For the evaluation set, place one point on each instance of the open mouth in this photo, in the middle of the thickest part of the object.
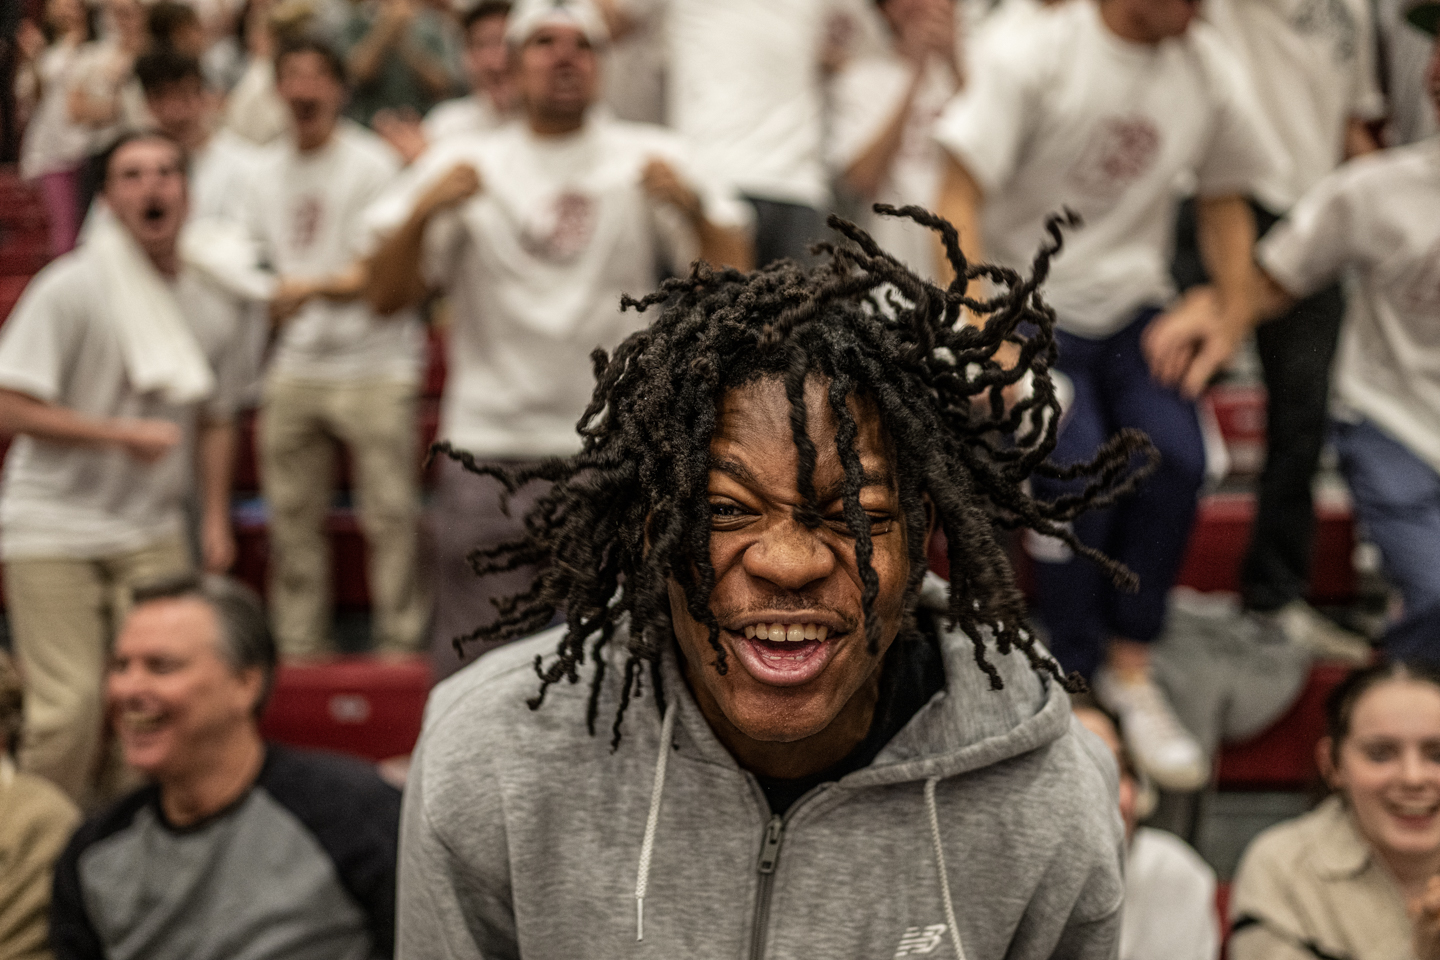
(154, 213)
(305, 110)
(140, 721)
(784, 654)
(1415, 815)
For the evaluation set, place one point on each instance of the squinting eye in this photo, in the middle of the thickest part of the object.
(1379, 753)
(721, 511)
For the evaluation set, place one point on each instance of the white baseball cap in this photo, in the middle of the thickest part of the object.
(527, 16)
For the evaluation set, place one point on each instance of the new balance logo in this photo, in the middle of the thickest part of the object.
(917, 941)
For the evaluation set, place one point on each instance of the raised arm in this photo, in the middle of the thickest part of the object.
(395, 278)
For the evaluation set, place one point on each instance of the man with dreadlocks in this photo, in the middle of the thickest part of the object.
(814, 749)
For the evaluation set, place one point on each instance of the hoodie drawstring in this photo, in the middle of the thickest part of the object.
(642, 880)
(934, 812)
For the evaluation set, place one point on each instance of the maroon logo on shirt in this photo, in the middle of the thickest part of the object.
(561, 232)
(306, 224)
(1120, 151)
(1418, 284)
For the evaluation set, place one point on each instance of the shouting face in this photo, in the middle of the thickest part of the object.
(145, 190)
(557, 75)
(788, 596)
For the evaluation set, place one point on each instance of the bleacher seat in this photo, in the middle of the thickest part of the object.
(364, 706)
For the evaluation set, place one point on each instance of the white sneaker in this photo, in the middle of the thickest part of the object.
(1306, 628)
(1159, 744)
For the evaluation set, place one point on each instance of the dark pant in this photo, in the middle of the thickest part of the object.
(1147, 531)
(465, 515)
(1295, 354)
(786, 230)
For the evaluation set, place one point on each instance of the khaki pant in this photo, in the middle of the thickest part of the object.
(64, 615)
(301, 426)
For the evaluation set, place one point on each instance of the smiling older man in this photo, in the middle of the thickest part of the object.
(814, 751)
(239, 849)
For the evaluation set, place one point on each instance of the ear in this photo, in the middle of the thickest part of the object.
(1325, 761)
(252, 681)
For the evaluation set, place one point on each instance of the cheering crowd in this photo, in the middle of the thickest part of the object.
(264, 205)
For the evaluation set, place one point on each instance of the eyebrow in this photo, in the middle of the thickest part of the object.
(741, 473)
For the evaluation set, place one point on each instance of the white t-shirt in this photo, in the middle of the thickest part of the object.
(1063, 113)
(865, 96)
(221, 173)
(1169, 901)
(535, 266)
(305, 210)
(52, 142)
(459, 117)
(745, 92)
(1379, 216)
(634, 65)
(1407, 56)
(60, 346)
(1312, 67)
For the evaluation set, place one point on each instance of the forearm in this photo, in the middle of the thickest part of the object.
(724, 246)
(960, 200)
(1226, 233)
(215, 453)
(865, 175)
(348, 284)
(394, 278)
(1358, 138)
(20, 413)
(1271, 299)
(365, 59)
(431, 74)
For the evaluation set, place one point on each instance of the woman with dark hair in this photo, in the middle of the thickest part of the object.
(1356, 878)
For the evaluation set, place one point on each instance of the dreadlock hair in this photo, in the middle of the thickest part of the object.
(630, 511)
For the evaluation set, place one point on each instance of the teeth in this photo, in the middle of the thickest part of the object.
(140, 720)
(786, 632)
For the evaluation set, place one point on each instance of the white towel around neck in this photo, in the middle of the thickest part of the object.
(159, 346)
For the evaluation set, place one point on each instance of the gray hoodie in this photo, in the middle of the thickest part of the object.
(991, 815)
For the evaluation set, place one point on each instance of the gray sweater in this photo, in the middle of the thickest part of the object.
(524, 836)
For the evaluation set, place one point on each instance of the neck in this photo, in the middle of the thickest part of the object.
(218, 781)
(310, 139)
(555, 125)
(166, 258)
(799, 758)
(1122, 22)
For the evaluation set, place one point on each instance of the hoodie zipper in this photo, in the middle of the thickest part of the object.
(769, 856)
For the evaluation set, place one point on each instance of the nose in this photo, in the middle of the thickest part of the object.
(790, 556)
(1412, 767)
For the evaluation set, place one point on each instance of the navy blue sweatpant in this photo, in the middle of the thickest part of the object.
(1147, 531)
